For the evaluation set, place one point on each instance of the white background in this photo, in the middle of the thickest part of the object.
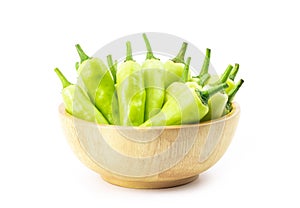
(260, 168)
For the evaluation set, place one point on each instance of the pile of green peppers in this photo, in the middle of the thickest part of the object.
(153, 93)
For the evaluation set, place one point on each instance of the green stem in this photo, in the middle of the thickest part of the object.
(77, 65)
(180, 56)
(109, 60)
(203, 79)
(206, 94)
(225, 75)
(63, 79)
(128, 52)
(185, 75)
(231, 95)
(205, 65)
(81, 53)
(149, 49)
(112, 67)
(233, 92)
(234, 72)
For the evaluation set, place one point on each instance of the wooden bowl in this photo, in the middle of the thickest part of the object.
(149, 157)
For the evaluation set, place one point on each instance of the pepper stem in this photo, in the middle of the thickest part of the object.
(77, 65)
(81, 53)
(149, 49)
(233, 92)
(128, 52)
(185, 75)
(231, 95)
(203, 79)
(180, 56)
(234, 72)
(63, 79)
(112, 67)
(225, 74)
(206, 94)
(205, 65)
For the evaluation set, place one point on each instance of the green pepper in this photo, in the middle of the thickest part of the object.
(113, 70)
(131, 91)
(231, 95)
(216, 105)
(184, 105)
(217, 102)
(77, 103)
(190, 83)
(175, 67)
(154, 73)
(96, 79)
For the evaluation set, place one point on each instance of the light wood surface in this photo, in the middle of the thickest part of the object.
(150, 157)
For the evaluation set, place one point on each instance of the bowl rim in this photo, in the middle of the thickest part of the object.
(234, 112)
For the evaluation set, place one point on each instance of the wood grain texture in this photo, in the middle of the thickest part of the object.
(155, 157)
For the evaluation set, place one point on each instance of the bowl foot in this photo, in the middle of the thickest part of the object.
(148, 184)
